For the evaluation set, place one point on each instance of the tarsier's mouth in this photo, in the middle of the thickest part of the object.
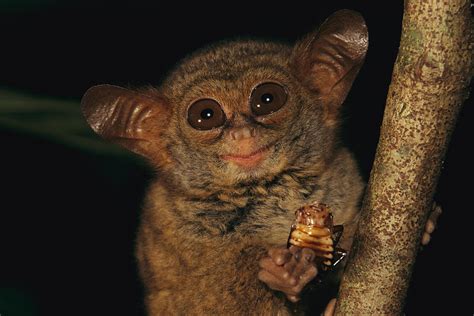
(249, 160)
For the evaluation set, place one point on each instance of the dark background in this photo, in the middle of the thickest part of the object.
(69, 209)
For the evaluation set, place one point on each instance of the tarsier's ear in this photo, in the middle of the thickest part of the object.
(126, 117)
(327, 60)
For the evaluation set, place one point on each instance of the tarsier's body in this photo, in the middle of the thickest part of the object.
(231, 172)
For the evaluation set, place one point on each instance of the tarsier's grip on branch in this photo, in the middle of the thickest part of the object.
(241, 133)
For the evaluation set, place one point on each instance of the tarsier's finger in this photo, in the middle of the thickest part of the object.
(330, 308)
(435, 213)
(304, 262)
(308, 275)
(295, 251)
(280, 255)
(277, 271)
(431, 223)
(272, 282)
(430, 226)
(425, 239)
(293, 298)
(291, 265)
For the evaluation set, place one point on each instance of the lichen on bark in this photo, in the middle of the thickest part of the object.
(429, 84)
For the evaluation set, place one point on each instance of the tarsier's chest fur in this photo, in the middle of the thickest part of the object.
(241, 135)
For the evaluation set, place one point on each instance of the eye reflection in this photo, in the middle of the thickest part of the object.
(206, 114)
(267, 98)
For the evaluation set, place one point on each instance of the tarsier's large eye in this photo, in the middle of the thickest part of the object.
(267, 98)
(206, 114)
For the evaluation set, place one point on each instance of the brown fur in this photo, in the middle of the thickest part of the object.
(206, 223)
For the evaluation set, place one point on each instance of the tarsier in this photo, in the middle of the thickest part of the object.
(241, 134)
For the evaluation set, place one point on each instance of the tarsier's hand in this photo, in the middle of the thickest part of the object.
(288, 270)
(431, 224)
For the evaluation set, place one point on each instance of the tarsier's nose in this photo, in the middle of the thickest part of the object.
(244, 132)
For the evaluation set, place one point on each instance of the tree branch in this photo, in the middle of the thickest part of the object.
(429, 84)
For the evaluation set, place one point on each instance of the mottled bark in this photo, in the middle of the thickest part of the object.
(429, 84)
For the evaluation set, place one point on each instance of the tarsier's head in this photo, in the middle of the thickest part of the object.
(239, 111)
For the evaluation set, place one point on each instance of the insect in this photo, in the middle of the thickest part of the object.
(314, 229)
